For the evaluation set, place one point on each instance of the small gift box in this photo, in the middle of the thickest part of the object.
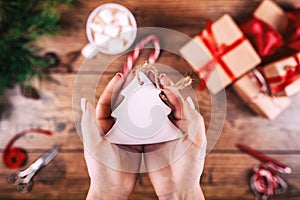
(220, 54)
(252, 89)
(265, 27)
(283, 76)
(272, 14)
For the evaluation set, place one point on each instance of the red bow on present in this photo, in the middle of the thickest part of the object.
(268, 41)
(217, 51)
(292, 74)
(265, 39)
(293, 30)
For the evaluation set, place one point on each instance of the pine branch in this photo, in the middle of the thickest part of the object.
(21, 23)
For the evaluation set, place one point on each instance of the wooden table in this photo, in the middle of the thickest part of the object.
(226, 172)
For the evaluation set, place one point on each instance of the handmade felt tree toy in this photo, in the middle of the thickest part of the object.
(21, 23)
(142, 117)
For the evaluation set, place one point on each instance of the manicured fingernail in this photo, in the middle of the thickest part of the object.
(164, 80)
(120, 75)
(83, 104)
(191, 102)
(162, 76)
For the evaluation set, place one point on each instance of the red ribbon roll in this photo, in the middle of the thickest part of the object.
(217, 51)
(292, 74)
(15, 157)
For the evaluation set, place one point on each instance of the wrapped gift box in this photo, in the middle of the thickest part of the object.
(220, 54)
(265, 28)
(283, 76)
(272, 14)
(252, 89)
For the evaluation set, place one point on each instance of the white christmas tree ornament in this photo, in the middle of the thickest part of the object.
(142, 117)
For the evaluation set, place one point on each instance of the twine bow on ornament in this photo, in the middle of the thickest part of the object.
(148, 65)
(181, 84)
(217, 51)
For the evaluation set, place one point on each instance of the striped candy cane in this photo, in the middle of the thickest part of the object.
(136, 52)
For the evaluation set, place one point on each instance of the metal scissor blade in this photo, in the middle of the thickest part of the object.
(48, 156)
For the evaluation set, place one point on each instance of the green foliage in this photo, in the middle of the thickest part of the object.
(21, 23)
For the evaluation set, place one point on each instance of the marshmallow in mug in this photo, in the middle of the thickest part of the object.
(111, 29)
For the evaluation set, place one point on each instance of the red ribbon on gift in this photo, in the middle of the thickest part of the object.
(268, 41)
(256, 76)
(293, 29)
(265, 39)
(292, 74)
(217, 51)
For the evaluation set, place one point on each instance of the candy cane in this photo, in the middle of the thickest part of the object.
(136, 52)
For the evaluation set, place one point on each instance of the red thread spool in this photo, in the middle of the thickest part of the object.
(15, 157)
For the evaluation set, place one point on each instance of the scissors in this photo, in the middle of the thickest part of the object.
(23, 179)
(265, 181)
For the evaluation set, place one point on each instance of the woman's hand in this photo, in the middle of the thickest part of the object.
(113, 171)
(175, 167)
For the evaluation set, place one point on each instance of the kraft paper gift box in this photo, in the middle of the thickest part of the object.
(272, 14)
(254, 93)
(283, 76)
(265, 28)
(220, 54)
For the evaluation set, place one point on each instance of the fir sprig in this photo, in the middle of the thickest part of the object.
(21, 23)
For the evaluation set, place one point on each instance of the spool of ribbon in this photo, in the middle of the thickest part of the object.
(136, 52)
(264, 38)
(15, 157)
(292, 74)
(217, 51)
(265, 182)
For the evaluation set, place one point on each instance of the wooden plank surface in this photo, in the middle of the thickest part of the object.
(226, 169)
